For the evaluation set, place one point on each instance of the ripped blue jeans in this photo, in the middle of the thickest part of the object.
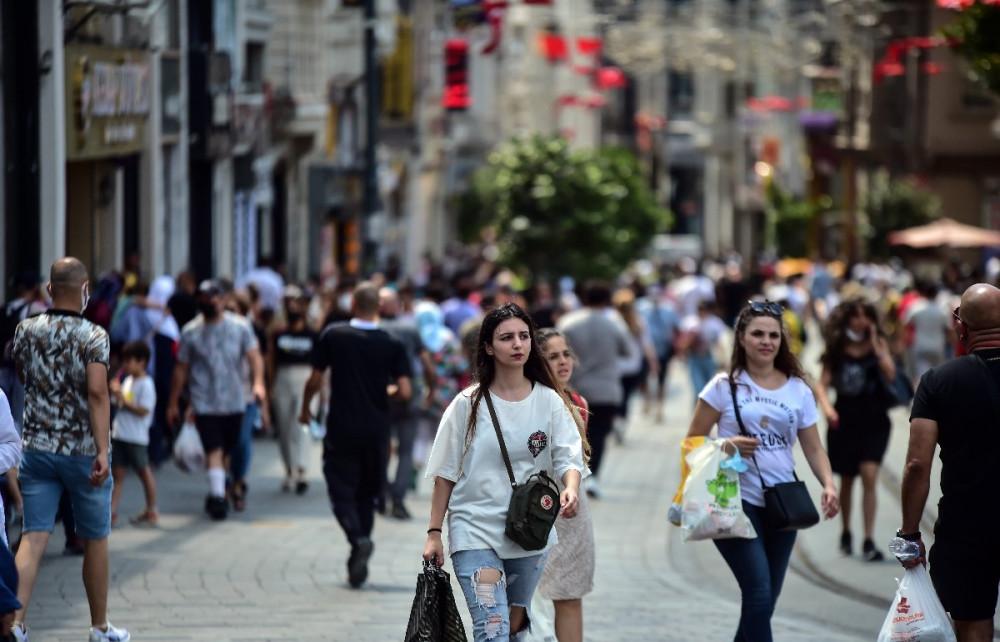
(490, 601)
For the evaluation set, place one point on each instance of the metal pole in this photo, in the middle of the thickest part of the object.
(371, 203)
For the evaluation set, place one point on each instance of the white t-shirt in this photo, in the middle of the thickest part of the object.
(540, 434)
(129, 426)
(774, 417)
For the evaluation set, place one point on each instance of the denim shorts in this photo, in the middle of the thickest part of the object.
(44, 476)
(490, 604)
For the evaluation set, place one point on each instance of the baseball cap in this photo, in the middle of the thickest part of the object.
(210, 287)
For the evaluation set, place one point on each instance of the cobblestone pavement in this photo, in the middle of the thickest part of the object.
(277, 571)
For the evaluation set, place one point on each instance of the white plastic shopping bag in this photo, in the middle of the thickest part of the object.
(712, 504)
(542, 615)
(916, 615)
(189, 455)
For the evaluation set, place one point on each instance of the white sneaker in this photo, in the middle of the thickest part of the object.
(591, 487)
(18, 633)
(112, 634)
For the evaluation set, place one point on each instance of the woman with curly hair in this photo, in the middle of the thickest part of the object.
(542, 431)
(857, 364)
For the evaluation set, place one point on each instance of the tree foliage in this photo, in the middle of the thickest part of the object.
(791, 218)
(894, 204)
(976, 35)
(556, 211)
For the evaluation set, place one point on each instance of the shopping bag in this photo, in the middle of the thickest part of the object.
(188, 452)
(712, 506)
(434, 615)
(916, 615)
(687, 445)
(541, 614)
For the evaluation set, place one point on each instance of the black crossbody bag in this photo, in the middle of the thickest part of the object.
(534, 505)
(787, 505)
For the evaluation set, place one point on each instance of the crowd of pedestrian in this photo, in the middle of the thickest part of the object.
(388, 374)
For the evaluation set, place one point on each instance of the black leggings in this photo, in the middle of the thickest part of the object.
(598, 427)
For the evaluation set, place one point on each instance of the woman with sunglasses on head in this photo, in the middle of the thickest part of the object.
(541, 429)
(778, 408)
(569, 573)
(857, 364)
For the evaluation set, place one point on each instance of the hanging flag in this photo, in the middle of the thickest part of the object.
(589, 46)
(456, 75)
(494, 16)
(610, 78)
(553, 47)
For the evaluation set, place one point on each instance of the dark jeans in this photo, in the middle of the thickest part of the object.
(403, 423)
(759, 566)
(355, 473)
(602, 417)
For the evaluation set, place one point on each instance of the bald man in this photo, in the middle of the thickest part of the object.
(957, 406)
(62, 359)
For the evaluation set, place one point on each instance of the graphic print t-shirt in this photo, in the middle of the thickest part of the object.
(54, 350)
(129, 426)
(540, 434)
(773, 417)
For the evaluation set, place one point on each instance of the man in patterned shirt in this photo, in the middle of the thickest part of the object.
(210, 359)
(63, 361)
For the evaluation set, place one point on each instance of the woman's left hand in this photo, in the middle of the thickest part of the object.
(569, 500)
(830, 502)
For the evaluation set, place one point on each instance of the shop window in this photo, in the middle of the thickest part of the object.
(253, 68)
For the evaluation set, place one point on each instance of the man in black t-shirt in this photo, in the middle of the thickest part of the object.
(956, 406)
(362, 360)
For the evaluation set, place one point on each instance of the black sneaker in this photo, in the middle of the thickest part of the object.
(845, 543)
(870, 553)
(216, 507)
(399, 511)
(357, 563)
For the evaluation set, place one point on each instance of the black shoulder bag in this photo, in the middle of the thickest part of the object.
(787, 505)
(534, 505)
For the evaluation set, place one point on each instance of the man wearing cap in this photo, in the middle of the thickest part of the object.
(212, 349)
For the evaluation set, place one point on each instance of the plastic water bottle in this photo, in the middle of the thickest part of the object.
(903, 549)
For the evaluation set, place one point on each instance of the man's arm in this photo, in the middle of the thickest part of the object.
(257, 372)
(402, 390)
(100, 418)
(313, 385)
(917, 472)
(180, 377)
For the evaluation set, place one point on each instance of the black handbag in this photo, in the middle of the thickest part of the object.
(787, 505)
(534, 505)
(434, 615)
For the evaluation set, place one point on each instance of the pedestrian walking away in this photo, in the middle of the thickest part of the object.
(135, 398)
(569, 572)
(778, 408)
(62, 359)
(213, 348)
(367, 367)
(857, 364)
(600, 344)
(541, 429)
(955, 407)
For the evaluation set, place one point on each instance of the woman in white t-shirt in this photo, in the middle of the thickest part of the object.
(541, 433)
(778, 409)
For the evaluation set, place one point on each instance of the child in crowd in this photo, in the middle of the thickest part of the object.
(135, 398)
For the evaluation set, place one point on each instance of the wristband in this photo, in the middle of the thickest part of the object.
(433, 530)
(910, 537)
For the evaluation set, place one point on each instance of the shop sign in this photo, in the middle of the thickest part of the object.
(107, 101)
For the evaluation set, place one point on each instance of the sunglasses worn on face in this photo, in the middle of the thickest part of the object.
(766, 307)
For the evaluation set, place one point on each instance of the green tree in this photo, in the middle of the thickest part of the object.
(790, 218)
(586, 213)
(894, 204)
(975, 33)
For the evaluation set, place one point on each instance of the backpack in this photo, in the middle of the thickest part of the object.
(10, 316)
(103, 300)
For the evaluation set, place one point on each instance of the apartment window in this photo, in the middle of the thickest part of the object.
(253, 67)
(680, 93)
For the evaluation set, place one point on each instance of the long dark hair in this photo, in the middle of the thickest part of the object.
(784, 361)
(536, 368)
(834, 331)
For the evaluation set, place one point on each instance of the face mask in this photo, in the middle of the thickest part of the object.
(209, 309)
(294, 317)
(84, 297)
(854, 336)
(344, 302)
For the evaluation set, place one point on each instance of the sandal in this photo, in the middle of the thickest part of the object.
(239, 496)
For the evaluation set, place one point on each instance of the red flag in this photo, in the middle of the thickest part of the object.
(589, 46)
(456, 75)
(610, 78)
(553, 47)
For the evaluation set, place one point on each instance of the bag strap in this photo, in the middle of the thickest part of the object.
(743, 431)
(503, 445)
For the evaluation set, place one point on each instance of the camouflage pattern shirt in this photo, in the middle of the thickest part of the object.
(53, 350)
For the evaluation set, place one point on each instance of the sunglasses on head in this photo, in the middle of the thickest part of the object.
(766, 307)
